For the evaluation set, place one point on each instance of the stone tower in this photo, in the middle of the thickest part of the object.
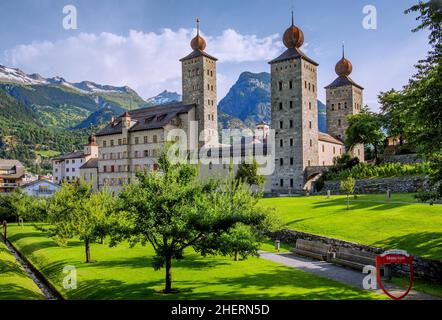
(199, 87)
(344, 98)
(294, 113)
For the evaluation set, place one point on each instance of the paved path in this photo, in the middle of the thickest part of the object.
(331, 271)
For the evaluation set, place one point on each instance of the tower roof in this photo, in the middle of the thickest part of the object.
(293, 36)
(293, 39)
(343, 69)
(198, 45)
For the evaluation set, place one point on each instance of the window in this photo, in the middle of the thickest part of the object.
(104, 144)
(112, 143)
(281, 143)
(311, 143)
(309, 87)
(136, 154)
(305, 84)
(146, 153)
(145, 139)
(119, 142)
(281, 162)
(291, 123)
(334, 150)
(313, 87)
(124, 141)
(104, 168)
(291, 183)
(73, 169)
(281, 125)
(323, 148)
(291, 84)
(291, 104)
(280, 106)
(280, 85)
(154, 139)
(291, 142)
(333, 107)
(112, 168)
(281, 182)
(339, 122)
(310, 105)
(310, 124)
(67, 169)
(339, 106)
(292, 161)
(210, 166)
(309, 163)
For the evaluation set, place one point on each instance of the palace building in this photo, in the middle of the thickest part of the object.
(134, 141)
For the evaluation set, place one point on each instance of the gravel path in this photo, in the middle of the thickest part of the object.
(335, 272)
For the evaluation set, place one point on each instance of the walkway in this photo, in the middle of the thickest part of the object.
(335, 272)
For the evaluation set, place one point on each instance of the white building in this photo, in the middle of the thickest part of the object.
(67, 167)
(40, 188)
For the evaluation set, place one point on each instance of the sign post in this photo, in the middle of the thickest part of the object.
(394, 257)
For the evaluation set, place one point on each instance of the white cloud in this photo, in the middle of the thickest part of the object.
(147, 62)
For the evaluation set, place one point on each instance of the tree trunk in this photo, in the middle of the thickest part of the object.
(87, 250)
(102, 240)
(168, 288)
(236, 256)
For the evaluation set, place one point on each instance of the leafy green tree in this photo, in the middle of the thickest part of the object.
(75, 211)
(419, 104)
(365, 128)
(348, 187)
(174, 210)
(248, 173)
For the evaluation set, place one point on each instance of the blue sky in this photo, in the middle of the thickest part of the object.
(138, 42)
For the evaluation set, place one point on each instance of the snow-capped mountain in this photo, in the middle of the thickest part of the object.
(163, 98)
(16, 76)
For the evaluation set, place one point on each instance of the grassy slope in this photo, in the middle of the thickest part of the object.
(14, 282)
(416, 228)
(124, 273)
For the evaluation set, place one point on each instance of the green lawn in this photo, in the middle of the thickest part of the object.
(14, 281)
(124, 273)
(416, 228)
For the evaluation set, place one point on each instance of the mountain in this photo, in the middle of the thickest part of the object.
(61, 104)
(163, 98)
(25, 138)
(322, 117)
(248, 101)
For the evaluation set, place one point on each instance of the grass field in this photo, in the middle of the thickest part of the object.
(14, 281)
(371, 220)
(124, 273)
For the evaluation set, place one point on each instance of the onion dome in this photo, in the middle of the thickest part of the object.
(198, 43)
(344, 67)
(293, 36)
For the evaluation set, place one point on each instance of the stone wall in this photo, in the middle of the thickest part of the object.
(402, 159)
(425, 269)
(396, 185)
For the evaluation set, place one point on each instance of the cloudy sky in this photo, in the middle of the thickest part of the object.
(139, 42)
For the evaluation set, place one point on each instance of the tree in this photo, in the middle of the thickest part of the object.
(15, 204)
(348, 187)
(75, 211)
(248, 173)
(174, 210)
(419, 103)
(365, 128)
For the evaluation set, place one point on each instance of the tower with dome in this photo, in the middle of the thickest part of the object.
(344, 98)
